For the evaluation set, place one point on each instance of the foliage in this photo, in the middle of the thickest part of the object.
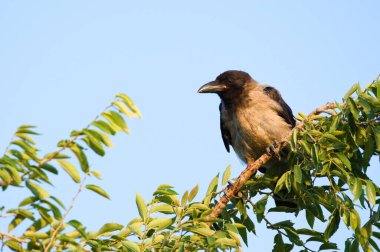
(327, 180)
(22, 167)
(330, 156)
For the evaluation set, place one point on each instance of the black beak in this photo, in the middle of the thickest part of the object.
(212, 87)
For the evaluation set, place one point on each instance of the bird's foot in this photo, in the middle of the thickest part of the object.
(274, 150)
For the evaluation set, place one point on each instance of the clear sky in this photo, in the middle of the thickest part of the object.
(61, 63)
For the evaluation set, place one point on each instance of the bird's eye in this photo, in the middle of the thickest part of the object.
(229, 81)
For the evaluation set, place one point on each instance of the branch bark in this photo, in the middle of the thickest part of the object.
(231, 190)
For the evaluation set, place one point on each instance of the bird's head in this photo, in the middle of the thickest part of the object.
(229, 84)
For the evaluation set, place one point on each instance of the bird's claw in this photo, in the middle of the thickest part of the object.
(274, 150)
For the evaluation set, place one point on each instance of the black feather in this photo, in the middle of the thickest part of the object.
(226, 136)
(286, 111)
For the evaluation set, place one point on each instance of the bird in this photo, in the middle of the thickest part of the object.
(253, 119)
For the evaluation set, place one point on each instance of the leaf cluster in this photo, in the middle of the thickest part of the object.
(22, 166)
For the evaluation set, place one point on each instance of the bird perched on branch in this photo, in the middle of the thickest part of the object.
(253, 117)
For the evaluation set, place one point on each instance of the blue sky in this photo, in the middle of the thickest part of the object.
(61, 63)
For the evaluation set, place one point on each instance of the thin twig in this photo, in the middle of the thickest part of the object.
(12, 237)
(55, 233)
(70, 141)
(7, 215)
(231, 190)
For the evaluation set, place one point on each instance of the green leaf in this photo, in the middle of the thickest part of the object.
(162, 208)
(22, 212)
(131, 246)
(27, 201)
(78, 226)
(377, 139)
(14, 174)
(213, 185)
(374, 244)
(278, 243)
(13, 245)
(292, 235)
(116, 120)
(315, 154)
(260, 208)
(365, 234)
(166, 191)
(351, 91)
(310, 218)
(260, 205)
(226, 175)
(281, 183)
(298, 174)
(160, 223)
(70, 169)
(127, 101)
(193, 193)
(31, 234)
(24, 137)
(199, 206)
(211, 189)
(377, 85)
(184, 198)
(26, 129)
(329, 245)
(282, 224)
(99, 136)
(344, 160)
(109, 227)
(335, 120)
(356, 188)
(94, 144)
(234, 235)
(355, 246)
(37, 225)
(122, 108)
(98, 190)
(82, 158)
(305, 231)
(164, 187)
(29, 149)
(202, 231)
(49, 168)
(226, 242)
(371, 192)
(58, 202)
(354, 219)
(141, 206)
(97, 174)
(37, 190)
(231, 227)
(293, 142)
(353, 108)
(20, 155)
(56, 212)
(15, 222)
(104, 126)
(333, 225)
(4, 176)
(136, 228)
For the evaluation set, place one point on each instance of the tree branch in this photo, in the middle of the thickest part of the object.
(231, 190)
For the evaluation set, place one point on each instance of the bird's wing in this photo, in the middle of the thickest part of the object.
(286, 111)
(224, 130)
